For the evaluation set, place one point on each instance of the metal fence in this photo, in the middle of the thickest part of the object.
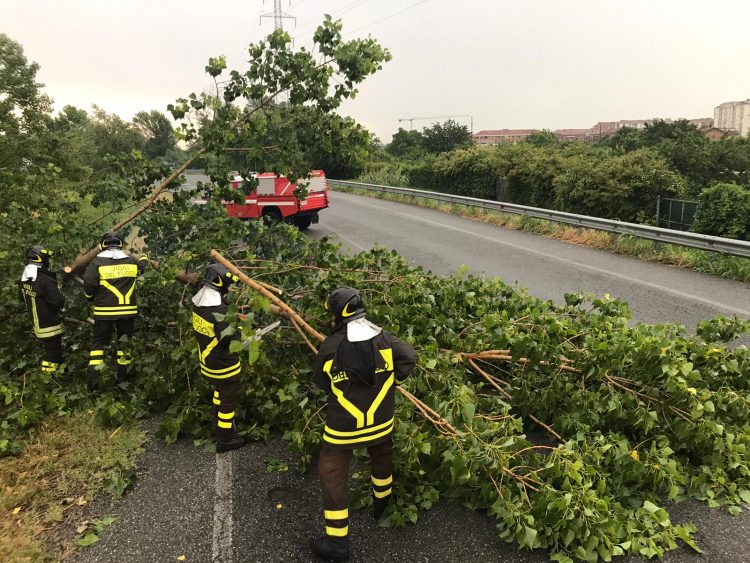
(721, 245)
(676, 214)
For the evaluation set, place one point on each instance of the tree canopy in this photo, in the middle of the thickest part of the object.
(445, 136)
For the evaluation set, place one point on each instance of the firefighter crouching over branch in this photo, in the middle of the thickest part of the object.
(358, 365)
(110, 284)
(45, 301)
(218, 364)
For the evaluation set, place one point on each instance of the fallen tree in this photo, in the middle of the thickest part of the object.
(621, 444)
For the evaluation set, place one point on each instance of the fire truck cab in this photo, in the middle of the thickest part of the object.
(274, 199)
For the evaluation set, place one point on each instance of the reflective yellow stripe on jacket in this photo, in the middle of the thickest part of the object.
(365, 430)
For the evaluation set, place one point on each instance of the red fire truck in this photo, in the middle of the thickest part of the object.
(274, 199)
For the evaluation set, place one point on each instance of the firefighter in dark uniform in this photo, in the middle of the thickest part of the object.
(110, 285)
(358, 365)
(220, 366)
(44, 301)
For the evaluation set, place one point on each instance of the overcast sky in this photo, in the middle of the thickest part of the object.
(509, 63)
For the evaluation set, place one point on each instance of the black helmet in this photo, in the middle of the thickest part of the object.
(219, 277)
(37, 254)
(110, 240)
(345, 304)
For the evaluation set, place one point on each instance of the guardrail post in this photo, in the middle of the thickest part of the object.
(658, 208)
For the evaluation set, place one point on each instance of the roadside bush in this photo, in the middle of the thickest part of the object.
(724, 211)
(621, 187)
(570, 177)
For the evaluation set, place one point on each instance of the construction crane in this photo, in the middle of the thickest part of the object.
(411, 120)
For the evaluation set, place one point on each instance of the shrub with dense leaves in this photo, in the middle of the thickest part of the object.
(724, 211)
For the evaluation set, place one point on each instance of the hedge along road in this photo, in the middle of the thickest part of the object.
(548, 268)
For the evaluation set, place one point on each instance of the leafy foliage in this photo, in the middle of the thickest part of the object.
(156, 128)
(618, 178)
(724, 211)
(445, 136)
(405, 143)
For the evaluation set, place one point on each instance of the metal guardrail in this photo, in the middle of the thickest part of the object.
(721, 245)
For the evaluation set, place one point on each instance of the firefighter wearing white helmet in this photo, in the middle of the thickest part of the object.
(358, 365)
(110, 285)
(220, 366)
(44, 301)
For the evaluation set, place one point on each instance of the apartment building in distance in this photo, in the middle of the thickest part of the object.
(499, 136)
(572, 134)
(733, 116)
(604, 128)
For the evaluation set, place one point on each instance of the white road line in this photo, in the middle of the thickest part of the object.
(221, 551)
(675, 292)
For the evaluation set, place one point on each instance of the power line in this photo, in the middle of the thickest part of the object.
(314, 22)
(386, 17)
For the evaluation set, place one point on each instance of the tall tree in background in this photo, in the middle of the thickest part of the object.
(113, 135)
(405, 143)
(544, 138)
(446, 136)
(156, 128)
(24, 117)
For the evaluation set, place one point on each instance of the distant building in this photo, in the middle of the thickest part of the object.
(713, 133)
(572, 134)
(498, 136)
(733, 116)
(702, 122)
(604, 128)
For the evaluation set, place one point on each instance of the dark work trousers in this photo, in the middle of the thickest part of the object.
(53, 353)
(225, 404)
(333, 470)
(100, 341)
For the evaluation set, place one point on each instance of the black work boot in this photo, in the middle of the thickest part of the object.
(379, 505)
(92, 381)
(333, 548)
(123, 374)
(226, 441)
(233, 444)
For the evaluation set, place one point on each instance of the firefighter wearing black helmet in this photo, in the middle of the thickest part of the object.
(358, 365)
(220, 366)
(45, 301)
(110, 285)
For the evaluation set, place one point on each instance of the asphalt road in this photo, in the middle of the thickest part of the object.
(189, 505)
(548, 268)
(203, 507)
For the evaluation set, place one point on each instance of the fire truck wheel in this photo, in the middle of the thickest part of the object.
(271, 215)
(302, 223)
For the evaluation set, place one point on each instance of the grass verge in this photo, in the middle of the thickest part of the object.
(68, 461)
(730, 267)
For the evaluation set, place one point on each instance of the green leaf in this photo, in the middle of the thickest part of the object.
(468, 411)
(253, 352)
(89, 539)
(650, 507)
(529, 537)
